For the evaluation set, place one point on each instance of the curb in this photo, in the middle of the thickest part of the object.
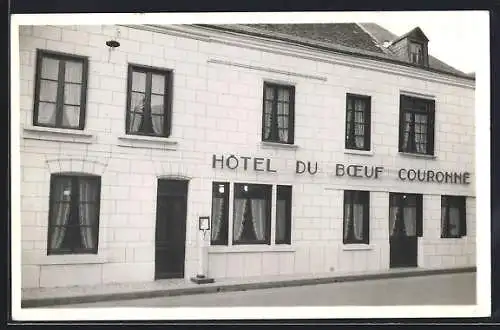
(46, 302)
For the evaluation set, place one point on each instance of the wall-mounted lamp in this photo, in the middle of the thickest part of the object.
(113, 43)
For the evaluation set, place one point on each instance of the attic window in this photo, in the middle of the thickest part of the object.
(416, 53)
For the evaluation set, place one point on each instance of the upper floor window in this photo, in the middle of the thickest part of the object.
(74, 214)
(60, 90)
(416, 125)
(453, 220)
(357, 122)
(416, 53)
(278, 113)
(149, 101)
(356, 217)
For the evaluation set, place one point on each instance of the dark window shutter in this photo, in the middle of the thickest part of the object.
(432, 105)
(463, 217)
(291, 114)
(366, 218)
(420, 220)
(401, 122)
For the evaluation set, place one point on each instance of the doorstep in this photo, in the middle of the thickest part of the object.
(45, 297)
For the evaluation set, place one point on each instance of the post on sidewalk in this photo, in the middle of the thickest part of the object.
(202, 274)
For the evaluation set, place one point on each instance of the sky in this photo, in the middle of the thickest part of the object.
(451, 37)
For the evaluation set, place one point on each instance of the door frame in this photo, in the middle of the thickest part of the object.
(166, 194)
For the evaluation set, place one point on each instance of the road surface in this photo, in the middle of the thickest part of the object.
(450, 289)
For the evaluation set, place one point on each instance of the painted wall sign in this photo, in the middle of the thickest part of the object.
(233, 162)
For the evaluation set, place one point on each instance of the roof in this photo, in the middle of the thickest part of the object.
(358, 39)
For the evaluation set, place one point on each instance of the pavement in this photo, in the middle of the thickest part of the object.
(444, 289)
(45, 297)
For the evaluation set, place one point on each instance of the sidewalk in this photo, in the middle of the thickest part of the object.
(45, 297)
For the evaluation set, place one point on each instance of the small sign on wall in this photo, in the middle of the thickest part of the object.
(204, 223)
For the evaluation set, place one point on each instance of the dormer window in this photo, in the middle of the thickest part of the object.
(416, 53)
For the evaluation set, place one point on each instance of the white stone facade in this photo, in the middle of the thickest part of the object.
(217, 109)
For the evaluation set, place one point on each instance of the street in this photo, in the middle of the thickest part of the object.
(451, 289)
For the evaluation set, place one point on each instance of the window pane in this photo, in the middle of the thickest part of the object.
(71, 116)
(158, 84)
(137, 102)
(157, 106)
(61, 189)
(139, 82)
(50, 68)
(46, 113)
(281, 221)
(269, 93)
(48, 90)
(72, 94)
(73, 72)
(88, 189)
(283, 95)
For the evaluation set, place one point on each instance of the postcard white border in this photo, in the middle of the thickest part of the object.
(481, 309)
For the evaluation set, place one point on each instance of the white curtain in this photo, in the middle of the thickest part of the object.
(454, 224)
(280, 220)
(157, 112)
(268, 113)
(259, 217)
(410, 220)
(60, 217)
(158, 125)
(283, 121)
(359, 129)
(72, 93)
(137, 107)
(406, 137)
(87, 216)
(347, 219)
(217, 206)
(239, 210)
(358, 221)
(420, 132)
(393, 217)
(444, 225)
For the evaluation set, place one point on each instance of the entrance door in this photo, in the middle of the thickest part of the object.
(405, 226)
(171, 208)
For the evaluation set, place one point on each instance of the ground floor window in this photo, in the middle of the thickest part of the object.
(453, 220)
(252, 210)
(73, 214)
(356, 217)
(405, 214)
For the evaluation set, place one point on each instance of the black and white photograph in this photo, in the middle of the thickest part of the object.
(336, 163)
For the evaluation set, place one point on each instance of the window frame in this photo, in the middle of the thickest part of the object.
(74, 203)
(422, 59)
(59, 103)
(287, 196)
(350, 136)
(398, 200)
(268, 198)
(224, 239)
(167, 97)
(364, 198)
(274, 135)
(430, 110)
(461, 203)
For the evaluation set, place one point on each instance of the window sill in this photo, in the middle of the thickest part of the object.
(359, 152)
(357, 247)
(151, 142)
(73, 259)
(250, 249)
(411, 155)
(57, 134)
(272, 145)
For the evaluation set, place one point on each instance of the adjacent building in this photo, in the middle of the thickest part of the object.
(313, 148)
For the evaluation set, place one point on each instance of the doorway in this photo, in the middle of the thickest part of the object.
(405, 226)
(170, 236)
